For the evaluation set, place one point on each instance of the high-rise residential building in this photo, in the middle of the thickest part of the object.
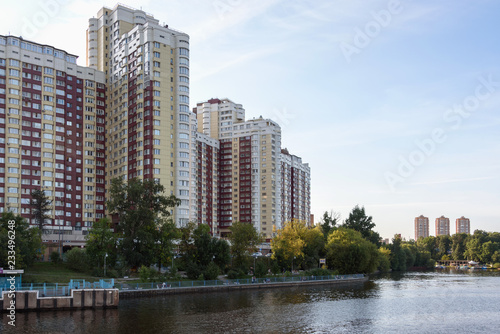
(421, 227)
(462, 225)
(52, 119)
(148, 120)
(295, 188)
(205, 208)
(442, 226)
(249, 166)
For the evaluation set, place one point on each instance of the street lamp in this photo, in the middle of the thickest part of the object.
(292, 264)
(105, 256)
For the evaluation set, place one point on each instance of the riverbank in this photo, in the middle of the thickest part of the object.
(232, 286)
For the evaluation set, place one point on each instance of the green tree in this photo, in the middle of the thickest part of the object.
(244, 238)
(359, 221)
(398, 255)
(384, 259)
(314, 247)
(443, 245)
(101, 241)
(349, 252)
(164, 246)
(77, 259)
(28, 242)
(140, 207)
(329, 221)
(458, 242)
(40, 205)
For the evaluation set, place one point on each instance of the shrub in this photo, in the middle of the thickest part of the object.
(192, 270)
(319, 272)
(260, 269)
(211, 272)
(77, 259)
(496, 265)
(54, 257)
(148, 274)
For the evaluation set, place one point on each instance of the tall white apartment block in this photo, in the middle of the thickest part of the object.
(149, 123)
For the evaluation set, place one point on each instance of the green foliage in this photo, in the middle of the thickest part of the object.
(398, 255)
(193, 271)
(349, 252)
(140, 207)
(359, 221)
(54, 257)
(211, 272)
(40, 205)
(260, 269)
(77, 259)
(28, 242)
(101, 241)
(234, 274)
(458, 242)
(319, 272)
(496, 265)
(329, 222)
(147, 274)
(244, 238)
(384, 260)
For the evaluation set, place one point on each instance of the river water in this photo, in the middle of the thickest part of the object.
(413, 302)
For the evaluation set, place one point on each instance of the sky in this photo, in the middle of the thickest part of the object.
(394, 104)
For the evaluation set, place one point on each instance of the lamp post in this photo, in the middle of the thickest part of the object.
(105, 256)
(292, 264)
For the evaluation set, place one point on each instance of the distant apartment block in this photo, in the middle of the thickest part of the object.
(421, 227)
(52, 137)
(462, 225)
(442, 226)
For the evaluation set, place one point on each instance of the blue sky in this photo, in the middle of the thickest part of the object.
(395, 104)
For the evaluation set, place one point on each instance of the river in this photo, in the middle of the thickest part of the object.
(412, 302)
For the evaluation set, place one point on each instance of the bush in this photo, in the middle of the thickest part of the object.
(77, 259)
(193, 271)
(275, 268)
(319, 272)
(54, 257)
(234, 274)
(260, 269)
(496, 265)
(211, 272)
(148, 274)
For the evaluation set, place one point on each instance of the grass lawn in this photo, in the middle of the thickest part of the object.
(48, 272)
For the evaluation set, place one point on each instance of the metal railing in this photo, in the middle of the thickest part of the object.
(60, 289)
(200, 283)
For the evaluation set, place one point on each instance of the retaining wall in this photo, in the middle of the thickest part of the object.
(124, 294)
(79, 299)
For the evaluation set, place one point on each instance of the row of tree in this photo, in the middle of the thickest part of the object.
(143, 234)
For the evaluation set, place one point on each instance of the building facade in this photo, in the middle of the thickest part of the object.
(52, 137)
(421, 227)
(462, 225)
(250, 169)
(295, 188)
(442, 226)
(149, 130)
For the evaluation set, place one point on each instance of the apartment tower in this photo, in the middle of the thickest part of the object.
(421, 227)
(462, 225)
(52, 118)
(295, 188)
(442, 226)
(149, 124)
(249, 165)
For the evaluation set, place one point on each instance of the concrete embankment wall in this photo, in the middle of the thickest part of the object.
(124, 294)
(79, 299)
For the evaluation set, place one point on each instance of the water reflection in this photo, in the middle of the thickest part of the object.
(432, 302)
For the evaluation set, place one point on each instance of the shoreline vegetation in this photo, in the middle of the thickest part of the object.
(144, 243)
